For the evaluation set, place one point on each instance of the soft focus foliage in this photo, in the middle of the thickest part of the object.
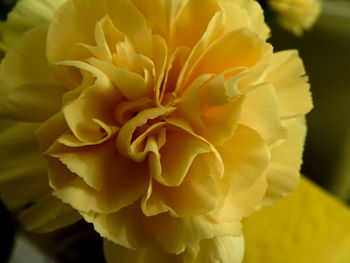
(307, 226)
(163, 123)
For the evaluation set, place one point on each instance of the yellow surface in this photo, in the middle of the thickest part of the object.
(309, 226)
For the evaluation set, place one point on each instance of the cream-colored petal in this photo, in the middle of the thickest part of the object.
(132, 229)
(187, 231)
(283, 170)
(89, 162)
(243, 48)
(131, 85)
(155, 13)
(260, 111)
(126, 132)
(197, 193)
(124, 183)
(124, 228)
(223, 249)
(177, 156)
(244, 13)
(85, 114)
(129, 20)
(160, 58)
(216, 123)
(245, 202)
(114, 253)
(191, 23)
(213, 31)
(221, 121)
(287, 75)
(28, 14)
(48, 214)
(73, 23)
(245, 156)
(189, 107)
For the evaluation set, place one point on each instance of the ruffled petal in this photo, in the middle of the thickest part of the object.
(191, 22)
(124, 183)
(260, 112)
(223, 249)
(283, 170)
(246, 156)
(197, 193)
(242, 46)
(287, 75)
(73, 23)
(132, 229)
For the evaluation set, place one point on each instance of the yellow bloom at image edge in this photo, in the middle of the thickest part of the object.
(163, 123)
(296, 15)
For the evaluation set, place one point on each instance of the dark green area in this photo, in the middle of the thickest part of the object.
(8, 226)
(5, 7)
(268, 13)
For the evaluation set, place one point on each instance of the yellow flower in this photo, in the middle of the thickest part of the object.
(296, 15)
(163, 123)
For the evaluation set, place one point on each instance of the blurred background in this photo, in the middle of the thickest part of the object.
(325, 51)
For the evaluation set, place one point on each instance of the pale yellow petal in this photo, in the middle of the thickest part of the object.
(85, 114)
(132, 229)
(260, 111)
(307, 226)
(245, 202)
(124, 183)
(216, 122)
(89, 162)
(124, 228)
(28, 14)
(129, 20)
(177, 156)
(287, 75)
(73, 23)
(192, 22)
(223, 249)
(283, 170)
(196, 195)
(243, 13)
(48, 214)
(187, 231)
(155, 13)
(126, 132)
(243, 48)
(245, 156)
